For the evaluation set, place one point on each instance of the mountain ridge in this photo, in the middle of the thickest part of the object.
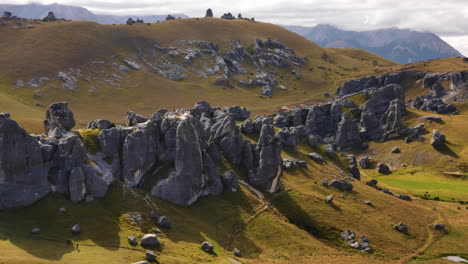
(399, 45)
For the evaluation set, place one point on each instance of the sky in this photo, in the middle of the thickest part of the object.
(447, 18)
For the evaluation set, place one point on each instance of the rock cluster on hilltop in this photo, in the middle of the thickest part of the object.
(209, 13)
(50, 17)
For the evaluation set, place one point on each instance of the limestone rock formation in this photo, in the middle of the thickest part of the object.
(187, 181)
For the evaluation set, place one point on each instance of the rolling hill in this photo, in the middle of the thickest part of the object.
(400, 45)
(103, 71)
(90, 52)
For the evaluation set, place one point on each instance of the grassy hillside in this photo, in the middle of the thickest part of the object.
(299, 227)
(54, 47)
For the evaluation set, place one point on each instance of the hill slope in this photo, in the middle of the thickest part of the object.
(400, 45)
(91, 53)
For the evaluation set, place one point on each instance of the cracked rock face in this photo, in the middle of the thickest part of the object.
(347, 135)
(269, 170)
(23, 175)
(194, 174)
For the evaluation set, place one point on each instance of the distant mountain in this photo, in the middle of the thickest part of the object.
(35, 10)
(400, 45)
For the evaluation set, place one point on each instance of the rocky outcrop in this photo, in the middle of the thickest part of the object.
(23, 174)
(59, 116)
(228, 16)
(268, 173)
(209, 13)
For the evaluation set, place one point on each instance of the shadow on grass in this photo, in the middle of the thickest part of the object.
(299, 217)
(444, 149)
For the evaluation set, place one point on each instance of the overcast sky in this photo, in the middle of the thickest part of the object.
(446, 18)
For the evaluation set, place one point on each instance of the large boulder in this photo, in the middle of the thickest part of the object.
(437, 139)
(347, 135)
(23, 174)
(149, 241)
(342, 185)
(59, 116)
(383, 168)
(268, 174)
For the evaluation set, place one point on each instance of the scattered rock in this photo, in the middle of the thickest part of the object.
(150, 256)
(329, 199)
(237, 253)
(207, 247)
(400, 227)
(76, 229)
(439, 226)
(132, 241)
(149, 241)
(164, 222)
(230, 182)
(404, 197)
(383, 168)
(316, 157)
(36, 231)
(342, 185)
(437, 139)
(324, 183)
(396, 150)
(436, 119)
(369, 203)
